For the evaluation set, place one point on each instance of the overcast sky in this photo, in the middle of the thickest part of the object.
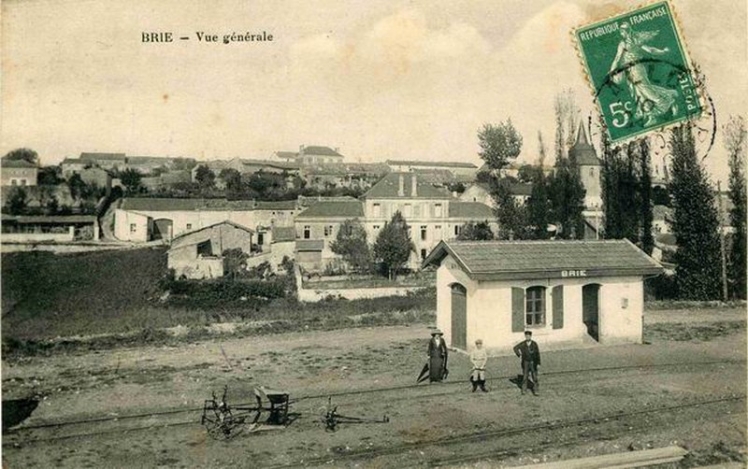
(386, 79)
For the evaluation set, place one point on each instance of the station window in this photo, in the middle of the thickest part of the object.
(133, 227)
(424, 231)
(189, 226)
(535, 306)
(307, 231)
(457, 230)
(423, 254)
(377, 209)
(328, 231)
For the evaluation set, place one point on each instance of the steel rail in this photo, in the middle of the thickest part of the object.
(356, 392)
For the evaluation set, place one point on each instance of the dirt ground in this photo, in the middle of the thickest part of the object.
(313, 365)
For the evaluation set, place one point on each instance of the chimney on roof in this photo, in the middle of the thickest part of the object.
(401, 186)
(414, 189)
(301, 149)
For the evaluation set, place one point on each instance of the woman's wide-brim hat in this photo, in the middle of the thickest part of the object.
(437, 332)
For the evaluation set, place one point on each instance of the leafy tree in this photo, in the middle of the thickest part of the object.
(566, 112)
(233, 181)
(566, 194)
(23, 154)
(52, 206)
(645, 198)
(393, 245)
(77, 186)
(236, 262)
(471, 231)
(204, 177)
(351, 244)
(538, 207)
(621, 194)
(660, 196)
(49, 176)
(131, 179)
(527, 173)
(511, 215)
(695, 224)
(735, 139)
(17, 201)
(499, 144)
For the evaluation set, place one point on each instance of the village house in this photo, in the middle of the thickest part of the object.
(199, 254)
(432, 214)
(146, 219)
(310, 155)
(148, 164)
(566, 292)
(70, 166)
(457, 168)
(18, 173)
(109, 161)
(351, 175)
(481, 192)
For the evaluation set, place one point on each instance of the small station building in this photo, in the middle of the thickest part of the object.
(566, 292)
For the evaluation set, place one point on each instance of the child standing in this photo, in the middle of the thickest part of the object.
(479, 357)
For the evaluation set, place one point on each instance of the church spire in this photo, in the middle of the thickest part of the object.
(582, 138)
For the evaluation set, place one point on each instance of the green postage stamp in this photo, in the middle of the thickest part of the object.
(640, 72)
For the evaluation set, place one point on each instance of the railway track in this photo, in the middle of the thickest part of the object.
(483, 436)
(46, 432)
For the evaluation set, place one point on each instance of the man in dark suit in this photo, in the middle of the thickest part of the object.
(530, 353)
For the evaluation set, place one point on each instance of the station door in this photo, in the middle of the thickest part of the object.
(459, 316)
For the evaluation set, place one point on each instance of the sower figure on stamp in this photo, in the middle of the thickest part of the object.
(530, 353)
(479, 357)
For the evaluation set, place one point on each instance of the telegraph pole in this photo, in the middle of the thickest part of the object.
(722, 243)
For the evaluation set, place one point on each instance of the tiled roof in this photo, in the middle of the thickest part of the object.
(497, 260)
(306, 245)
(388, 187)
(276, 205)
(172, 204)
(472, 210)
(348, 168)
(103, 156)
(286, 154)
(149, 160)
(435, 176)
(16, 164)
(319, 150)
(74, 161)
(284, 233)
(582, 151)
(273, 164)
(306, 201)
(352, 209)
(432, 164)
(175, 241)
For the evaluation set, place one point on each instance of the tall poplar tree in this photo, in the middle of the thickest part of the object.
(645, 198)
(735, 140)
(695, 224)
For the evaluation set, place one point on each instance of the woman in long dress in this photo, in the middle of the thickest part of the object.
(437, 357)
(652, 102)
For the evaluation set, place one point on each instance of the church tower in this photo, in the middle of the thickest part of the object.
(589, 166)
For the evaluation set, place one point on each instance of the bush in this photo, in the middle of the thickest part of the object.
(662, 287)
(208, 294)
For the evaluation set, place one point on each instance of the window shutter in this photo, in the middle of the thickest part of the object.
(558, 307)
(518, 309)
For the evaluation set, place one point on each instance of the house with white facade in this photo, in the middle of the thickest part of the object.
(146, 219)
(566, 292)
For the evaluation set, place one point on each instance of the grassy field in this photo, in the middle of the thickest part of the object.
(46, 296)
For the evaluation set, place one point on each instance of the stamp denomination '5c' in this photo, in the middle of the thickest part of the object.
(640, 71)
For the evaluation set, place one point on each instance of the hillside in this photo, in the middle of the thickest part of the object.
(90, 290)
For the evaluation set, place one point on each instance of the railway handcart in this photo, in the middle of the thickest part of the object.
(224, 421)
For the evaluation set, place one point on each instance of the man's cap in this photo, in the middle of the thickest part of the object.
(478, 341)
(437, 332)
(528, 332)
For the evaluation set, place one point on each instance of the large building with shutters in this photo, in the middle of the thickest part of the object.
(566, 292)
